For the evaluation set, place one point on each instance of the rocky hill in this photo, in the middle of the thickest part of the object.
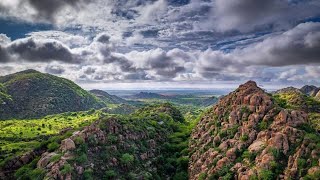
(310, 90)
(293, 98)
(30, 94)
(247, 135)
(108, 98)
(137, 146)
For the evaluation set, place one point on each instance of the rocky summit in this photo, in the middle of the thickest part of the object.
(247, 135)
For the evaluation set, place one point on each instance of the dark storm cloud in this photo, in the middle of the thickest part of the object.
(4, 56)
(41, 51)
(104, 46)
(47, 9)
(102, 38)
(164, 65)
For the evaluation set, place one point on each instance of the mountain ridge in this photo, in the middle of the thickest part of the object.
(108, 98)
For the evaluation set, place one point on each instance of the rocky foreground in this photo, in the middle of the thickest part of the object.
(136, 146)
(248, 136)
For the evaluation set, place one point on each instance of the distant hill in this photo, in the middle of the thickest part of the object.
(310, 90)
(31, 94)
(108, 98)
(149, 95)
(188, 99)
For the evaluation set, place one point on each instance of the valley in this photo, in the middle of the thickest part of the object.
(246, 134)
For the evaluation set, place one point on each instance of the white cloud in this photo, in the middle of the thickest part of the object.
(4, 39)
(247, 15)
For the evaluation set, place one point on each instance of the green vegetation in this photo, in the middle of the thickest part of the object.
(110, 174)
(67, 168)
(298, 101)
(4, 96)
(30, 171)
(315, 120)
(162, 125)
(244, 137)
(20, 136)
(266, 175)
(127, 159)
(165, 109)
(36, 95)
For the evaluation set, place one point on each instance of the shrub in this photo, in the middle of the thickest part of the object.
(244, 137)
(127, 159)
(263, 125)
(55, 158)
(37, 174)
(82, 159)
(112, 139)
(181, 176)
(92, 140)
(22, 172)
(275, 152)
(248, 155)
(67, 168)
(244, 109)
(228, 176)
(87, 174)
(183, 162)
(53, 146)
(222, 134)
(110, 174)
(202, 176)
(266, 175)
(78, 140)
(83, 148)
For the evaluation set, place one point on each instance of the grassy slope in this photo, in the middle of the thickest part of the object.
(35, 94)
(20, 136)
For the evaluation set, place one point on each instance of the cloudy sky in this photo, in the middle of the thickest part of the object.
(119, 44)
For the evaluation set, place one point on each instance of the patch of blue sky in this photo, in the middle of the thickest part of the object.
(15, 29)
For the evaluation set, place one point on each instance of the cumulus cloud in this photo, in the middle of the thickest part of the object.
(153, 11)
(55, 69)
(4, 56)
(102, 38)
(40, 50)
(71, 40)
(158, 62)
(247, 15)
(38, 10)
(270, 59)
(298, 46)
(4, 39)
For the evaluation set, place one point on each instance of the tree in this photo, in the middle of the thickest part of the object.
(127, 159)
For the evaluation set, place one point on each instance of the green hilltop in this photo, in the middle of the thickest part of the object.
(31, 94)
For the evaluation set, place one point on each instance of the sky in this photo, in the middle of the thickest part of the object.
(159, 44)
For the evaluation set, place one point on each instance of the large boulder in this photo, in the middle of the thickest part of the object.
(67, 145)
